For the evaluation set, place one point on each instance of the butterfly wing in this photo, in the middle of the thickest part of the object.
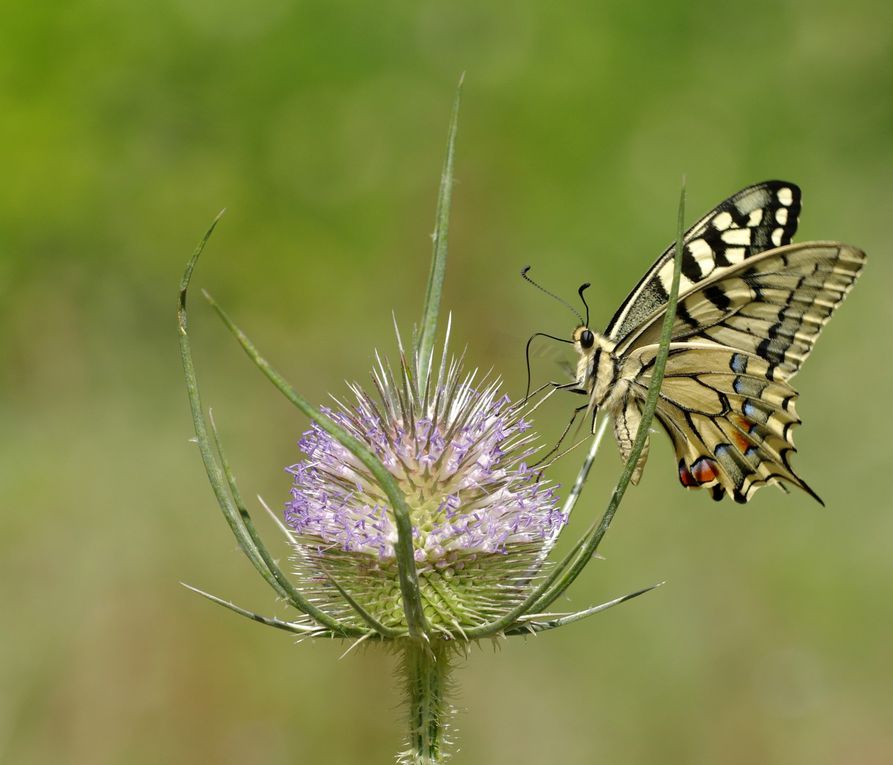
(773, 305)
(731, 426)
(750, 309)
(755, 219)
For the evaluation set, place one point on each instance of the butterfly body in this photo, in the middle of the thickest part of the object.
(597, 366)
(750, 307)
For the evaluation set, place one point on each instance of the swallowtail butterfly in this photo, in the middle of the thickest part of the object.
(751, 305)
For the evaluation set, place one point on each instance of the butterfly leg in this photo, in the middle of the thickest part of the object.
(554, 386)
(573, 387)
(563, 435)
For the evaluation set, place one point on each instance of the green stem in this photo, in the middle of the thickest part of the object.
(426, 667)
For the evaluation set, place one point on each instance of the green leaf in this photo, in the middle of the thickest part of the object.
(277, 579)
(539, 622)
(271, 621)
(403, 549)
(220, 477)
(431, 309)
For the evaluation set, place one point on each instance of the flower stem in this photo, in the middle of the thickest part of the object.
(426, 668)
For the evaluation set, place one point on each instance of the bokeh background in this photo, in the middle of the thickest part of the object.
(320, 126)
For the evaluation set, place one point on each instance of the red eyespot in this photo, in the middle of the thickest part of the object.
(704, 470)
(685, 476)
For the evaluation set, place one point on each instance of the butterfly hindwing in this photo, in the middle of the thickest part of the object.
(755, 219)
(731, 430)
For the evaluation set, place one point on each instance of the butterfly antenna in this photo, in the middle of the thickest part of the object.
(527, 354)
(550, 294)
(583, 287)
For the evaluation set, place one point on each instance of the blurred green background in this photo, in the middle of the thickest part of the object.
(321, 126)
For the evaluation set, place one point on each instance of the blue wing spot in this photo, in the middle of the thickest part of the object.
(738, 363)
(754, 412)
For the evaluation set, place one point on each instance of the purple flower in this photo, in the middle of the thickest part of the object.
(482, 519)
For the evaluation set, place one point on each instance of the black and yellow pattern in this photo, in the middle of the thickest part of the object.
(751, 307)
(755, 219)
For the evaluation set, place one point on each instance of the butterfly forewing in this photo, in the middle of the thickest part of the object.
(755, 219)
(773, 305)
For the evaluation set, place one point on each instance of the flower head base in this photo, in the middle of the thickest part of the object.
(482, 519)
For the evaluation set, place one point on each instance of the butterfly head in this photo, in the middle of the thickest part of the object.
(597, 365)
(584, 339)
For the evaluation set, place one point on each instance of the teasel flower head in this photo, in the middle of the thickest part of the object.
(419, 517)
(459, 450)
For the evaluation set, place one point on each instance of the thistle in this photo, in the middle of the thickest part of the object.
(415, 518)
(482, 519)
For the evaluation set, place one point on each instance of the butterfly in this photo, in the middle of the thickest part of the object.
(750, 308)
